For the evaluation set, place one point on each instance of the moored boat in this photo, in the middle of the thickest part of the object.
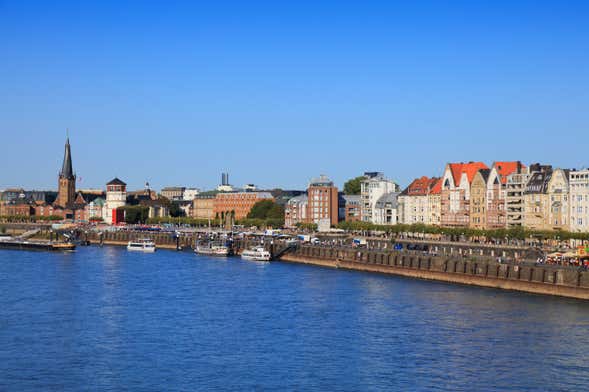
(213, 248)
(143, 245)
(23, 244)
(257, 253)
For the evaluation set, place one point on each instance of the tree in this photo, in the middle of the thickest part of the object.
(261, 209)
(135, 214)
(267, 212)
(353, 186)
(276, 212)
(173, 207)
(175, 210)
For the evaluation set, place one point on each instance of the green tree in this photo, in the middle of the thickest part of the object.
(276, 212)
(353, 186)
(265, 213)
(175, 210)
(261, 209)
(135, 214)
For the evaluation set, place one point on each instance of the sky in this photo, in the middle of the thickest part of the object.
(275, 93)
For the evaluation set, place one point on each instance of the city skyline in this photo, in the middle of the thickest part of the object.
(277, 94)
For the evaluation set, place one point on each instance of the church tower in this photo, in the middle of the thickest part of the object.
(67, 179)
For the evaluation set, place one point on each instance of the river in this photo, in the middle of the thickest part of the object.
(104, 319)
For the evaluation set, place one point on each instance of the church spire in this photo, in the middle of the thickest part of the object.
(66, 169)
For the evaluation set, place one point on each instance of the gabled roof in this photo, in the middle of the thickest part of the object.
(485, 174)
(506, 168)
(115, 181)
(470, 169)
(351, 198)
(91, 196)
(388, 198)
(79, 199)
(420, 186)
(298, 199)
(437, 187)
(538, 182)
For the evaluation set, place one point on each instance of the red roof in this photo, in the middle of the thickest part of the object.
(420, 186)
(437, 187)
(506, 168)
(470, 168)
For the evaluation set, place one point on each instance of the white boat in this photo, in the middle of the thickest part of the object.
(142, 245)
(212, 249)
(257, 253)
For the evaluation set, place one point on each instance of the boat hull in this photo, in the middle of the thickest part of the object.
(144, 250)
(256, 258)
(213, 252)
(34, 245)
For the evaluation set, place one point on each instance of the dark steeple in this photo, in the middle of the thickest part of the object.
(66, 169)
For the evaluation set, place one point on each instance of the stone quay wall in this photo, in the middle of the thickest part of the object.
(538, 279)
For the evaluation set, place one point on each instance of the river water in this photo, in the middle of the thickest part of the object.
(104, 319)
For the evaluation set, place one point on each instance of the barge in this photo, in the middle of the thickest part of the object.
(20, 244)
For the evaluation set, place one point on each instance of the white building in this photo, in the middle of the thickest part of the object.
(373, 187)
(579, 200)
(190, 194)
(295, 211)
(116, 196)
(225, 188)
(385, 211)
(250, 188)
(95, 208)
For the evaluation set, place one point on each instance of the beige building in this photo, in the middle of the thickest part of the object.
(536, 200)
(478, 199)
(203, 207)
(434, 202)
(558, 199)
(173, 192)
(516, 190)
(414, 202)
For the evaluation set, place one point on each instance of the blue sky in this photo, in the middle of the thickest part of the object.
(278, 92)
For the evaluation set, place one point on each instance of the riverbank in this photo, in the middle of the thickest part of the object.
(522, 279)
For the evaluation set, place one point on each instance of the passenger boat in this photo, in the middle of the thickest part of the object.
(257, 253)
(143, 245)
(213, 248)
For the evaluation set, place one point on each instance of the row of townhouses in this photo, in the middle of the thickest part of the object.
(505, 195)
